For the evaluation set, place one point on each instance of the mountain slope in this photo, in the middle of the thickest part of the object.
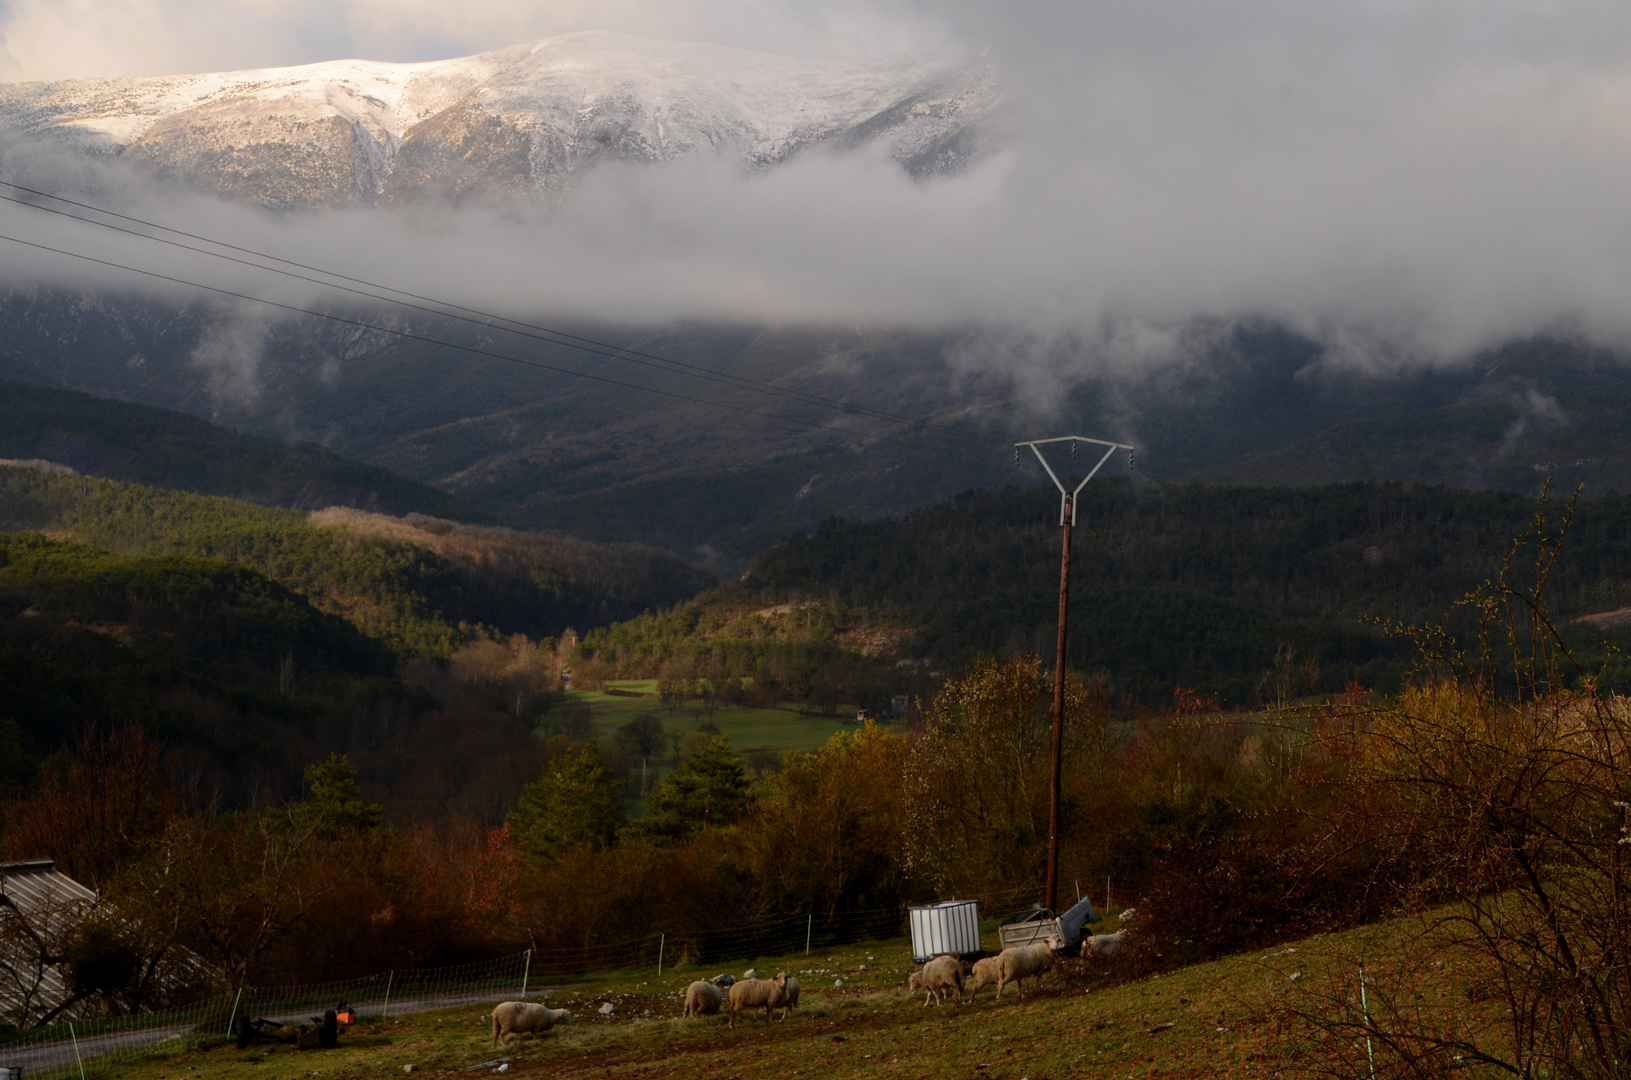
(1573, 436)
(1172, 586)
(522, 119)
(423, 585)
(546, 450)
(121, 441)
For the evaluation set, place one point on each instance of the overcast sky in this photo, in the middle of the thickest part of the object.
(61, 39)
(1408, 180)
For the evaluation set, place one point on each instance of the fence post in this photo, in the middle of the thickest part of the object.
(1364, 1004)
(233, 1019)
(78, 1060)
(808, 926)
(662, 943)
(385, 1010)
(524, 973)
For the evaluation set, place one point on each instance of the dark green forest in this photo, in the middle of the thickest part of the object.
(426, 597)
(138, 443)
(209, 656)
(1219, 590)
(253, 640)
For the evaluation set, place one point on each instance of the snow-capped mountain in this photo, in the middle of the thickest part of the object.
(522, 119)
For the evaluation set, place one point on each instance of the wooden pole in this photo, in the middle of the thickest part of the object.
(1059, 714)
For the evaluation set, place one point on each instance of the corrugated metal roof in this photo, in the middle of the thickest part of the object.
(39, 907)
(39, 882)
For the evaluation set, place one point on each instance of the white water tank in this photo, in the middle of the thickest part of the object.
(951, 926)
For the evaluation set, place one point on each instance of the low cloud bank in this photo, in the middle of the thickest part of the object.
(1406, 183)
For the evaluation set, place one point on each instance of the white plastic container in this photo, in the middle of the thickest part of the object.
(951, 926)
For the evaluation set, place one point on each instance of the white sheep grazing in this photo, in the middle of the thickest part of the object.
(937, 976)
(1129, 915)
(1105, 945)
(792, 993)
(724, 981)
(521, 1017)
(766, 994)
(751, 973)
(1025, 962)
(702, 999)
(984, 974)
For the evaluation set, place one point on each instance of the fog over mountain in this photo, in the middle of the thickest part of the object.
(1045, 202)
(1408, 183)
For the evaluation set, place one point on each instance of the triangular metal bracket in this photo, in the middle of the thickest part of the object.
(1067, 496)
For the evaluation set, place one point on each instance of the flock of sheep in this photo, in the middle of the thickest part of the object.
(704, 998)
(933, 979)
(1012, 965)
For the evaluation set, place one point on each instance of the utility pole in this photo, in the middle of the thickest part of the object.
(1067, 522)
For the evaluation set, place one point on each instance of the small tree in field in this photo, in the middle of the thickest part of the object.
(574, 804)
(711, 787)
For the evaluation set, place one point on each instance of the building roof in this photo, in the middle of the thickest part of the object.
(36, 882)
(38, 904)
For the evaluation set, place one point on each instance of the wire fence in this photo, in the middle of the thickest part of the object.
(72, 1049)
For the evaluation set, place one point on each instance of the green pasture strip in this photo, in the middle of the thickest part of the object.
(779, 729)
(1220, 1019)
(868, 1026)
(634, 686)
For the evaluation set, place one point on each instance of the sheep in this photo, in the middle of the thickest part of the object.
(1024, 962)
(1105, 945)
(984, 974)
(792, 994)
(751, 973)
(702, 999)
(767, 994)
(1129, 915)
(520, 1017)
(937, 976)
(723, 981)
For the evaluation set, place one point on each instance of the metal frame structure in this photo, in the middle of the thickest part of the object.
(1067, 521)
(1067, 499)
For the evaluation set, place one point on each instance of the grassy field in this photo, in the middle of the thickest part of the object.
(1210, 1020)
(757, 734)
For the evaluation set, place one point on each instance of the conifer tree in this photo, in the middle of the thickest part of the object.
(711, 787)
(574, 804)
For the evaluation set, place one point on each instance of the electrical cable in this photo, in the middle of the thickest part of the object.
(487, 353)
(462, 313)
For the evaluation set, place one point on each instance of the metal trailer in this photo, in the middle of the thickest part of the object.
(1037, 923)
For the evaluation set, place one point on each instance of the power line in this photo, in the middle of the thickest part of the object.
(462, 313)
(487, 353)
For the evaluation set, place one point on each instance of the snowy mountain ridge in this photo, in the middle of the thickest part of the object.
(519, 120)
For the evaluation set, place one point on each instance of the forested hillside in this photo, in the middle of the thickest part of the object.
(1245, 593)
(1576, 435)
(121, 441)
(253, 640)
(224, 664)
(423, 585)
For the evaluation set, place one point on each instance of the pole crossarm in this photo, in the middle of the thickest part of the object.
(1067, 496)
